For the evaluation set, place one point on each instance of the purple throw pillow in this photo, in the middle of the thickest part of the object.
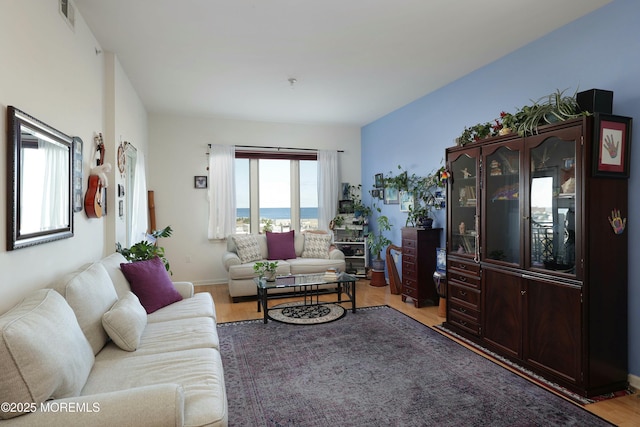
(151, 283)
(280, 245)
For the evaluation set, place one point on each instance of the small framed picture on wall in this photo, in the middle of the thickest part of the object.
(200, 182)
(612, 135)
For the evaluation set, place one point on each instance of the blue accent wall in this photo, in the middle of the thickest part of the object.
(600, 50)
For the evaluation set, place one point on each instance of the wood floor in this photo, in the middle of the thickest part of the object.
(621, 411)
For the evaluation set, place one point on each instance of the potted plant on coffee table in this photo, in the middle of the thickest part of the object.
(266, 270)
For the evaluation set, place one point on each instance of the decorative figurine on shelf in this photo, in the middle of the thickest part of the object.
(466, 173)
(461, 228)
(495, 168)
(617, 223)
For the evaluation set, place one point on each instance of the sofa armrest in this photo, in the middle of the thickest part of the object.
(229, 259)
(157, 405)
(336, 254)
(185, 289)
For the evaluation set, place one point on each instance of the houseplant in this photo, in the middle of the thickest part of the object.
(423, 190)
(552, 108)
(147, 249)
(378, 242)
(360, 210)
(266, 269)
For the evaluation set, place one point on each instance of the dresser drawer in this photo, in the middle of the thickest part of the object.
(464, 279)
(464, 323)
(464, 294)
(408, 251)
(464, 312)
(408, 244)
(410, 292)
(465, 267)
(408, 268)
(410, 282)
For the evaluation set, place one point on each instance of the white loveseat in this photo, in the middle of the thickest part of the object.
(302, 260)
(60, 364)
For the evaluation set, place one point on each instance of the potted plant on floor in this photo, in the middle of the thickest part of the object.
(266, 270)
(378, 242)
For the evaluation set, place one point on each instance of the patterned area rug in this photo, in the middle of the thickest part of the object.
(294, 313)
(377, 367)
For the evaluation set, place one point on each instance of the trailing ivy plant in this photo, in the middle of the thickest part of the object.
(145, 250)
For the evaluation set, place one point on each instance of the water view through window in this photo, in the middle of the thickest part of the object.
(276, 181)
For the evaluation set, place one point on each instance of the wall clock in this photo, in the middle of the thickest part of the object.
(122, 159)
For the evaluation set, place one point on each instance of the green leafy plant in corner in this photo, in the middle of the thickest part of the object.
(378, 241)
(145, 250)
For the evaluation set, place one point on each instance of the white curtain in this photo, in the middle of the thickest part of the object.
(222, 190)
(139, 205)
(328, 187)
(55, 196)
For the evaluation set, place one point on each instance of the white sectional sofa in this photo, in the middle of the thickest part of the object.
(63, 362)
(310, 252)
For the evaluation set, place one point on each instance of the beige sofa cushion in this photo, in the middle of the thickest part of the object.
(248, 248)
(316, 245)
(90, 293)
(198, 371)
(199, 305)
(112, 263)
(125, 322)
(43, 352)
(164, 337)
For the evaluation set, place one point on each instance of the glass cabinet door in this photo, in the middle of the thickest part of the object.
(463, 197)
(502, 212)
(552, 206)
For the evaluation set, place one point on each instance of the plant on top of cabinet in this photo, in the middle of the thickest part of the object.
(552, 108)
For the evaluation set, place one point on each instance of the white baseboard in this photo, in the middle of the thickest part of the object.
(634, 381)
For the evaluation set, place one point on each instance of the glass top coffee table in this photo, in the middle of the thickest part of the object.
(310, 287)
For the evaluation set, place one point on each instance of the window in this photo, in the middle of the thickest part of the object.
(276, 192)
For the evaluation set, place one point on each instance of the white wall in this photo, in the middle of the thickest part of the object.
(54, 74)
(177, 152)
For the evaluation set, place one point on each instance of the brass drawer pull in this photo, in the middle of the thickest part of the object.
(463, 293)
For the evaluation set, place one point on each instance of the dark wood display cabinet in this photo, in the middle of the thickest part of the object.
(535, 270)
(419, 263)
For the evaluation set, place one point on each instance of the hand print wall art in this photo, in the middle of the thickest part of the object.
(612, 136)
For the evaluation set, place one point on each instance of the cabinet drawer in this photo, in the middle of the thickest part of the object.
(408, 251)
(464, 323)
(410, 282)
(466, 267)
(464, 279)
(408, 268)
(408, 244)
(464, 312)
(465, 294)
(410, 292)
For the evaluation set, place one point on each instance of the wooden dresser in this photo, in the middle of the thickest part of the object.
(419, 263)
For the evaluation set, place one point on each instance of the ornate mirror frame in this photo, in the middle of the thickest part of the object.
(47, 215)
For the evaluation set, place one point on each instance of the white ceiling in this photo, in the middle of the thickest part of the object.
(354, 60)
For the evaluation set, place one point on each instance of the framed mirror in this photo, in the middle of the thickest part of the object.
(39, 179)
